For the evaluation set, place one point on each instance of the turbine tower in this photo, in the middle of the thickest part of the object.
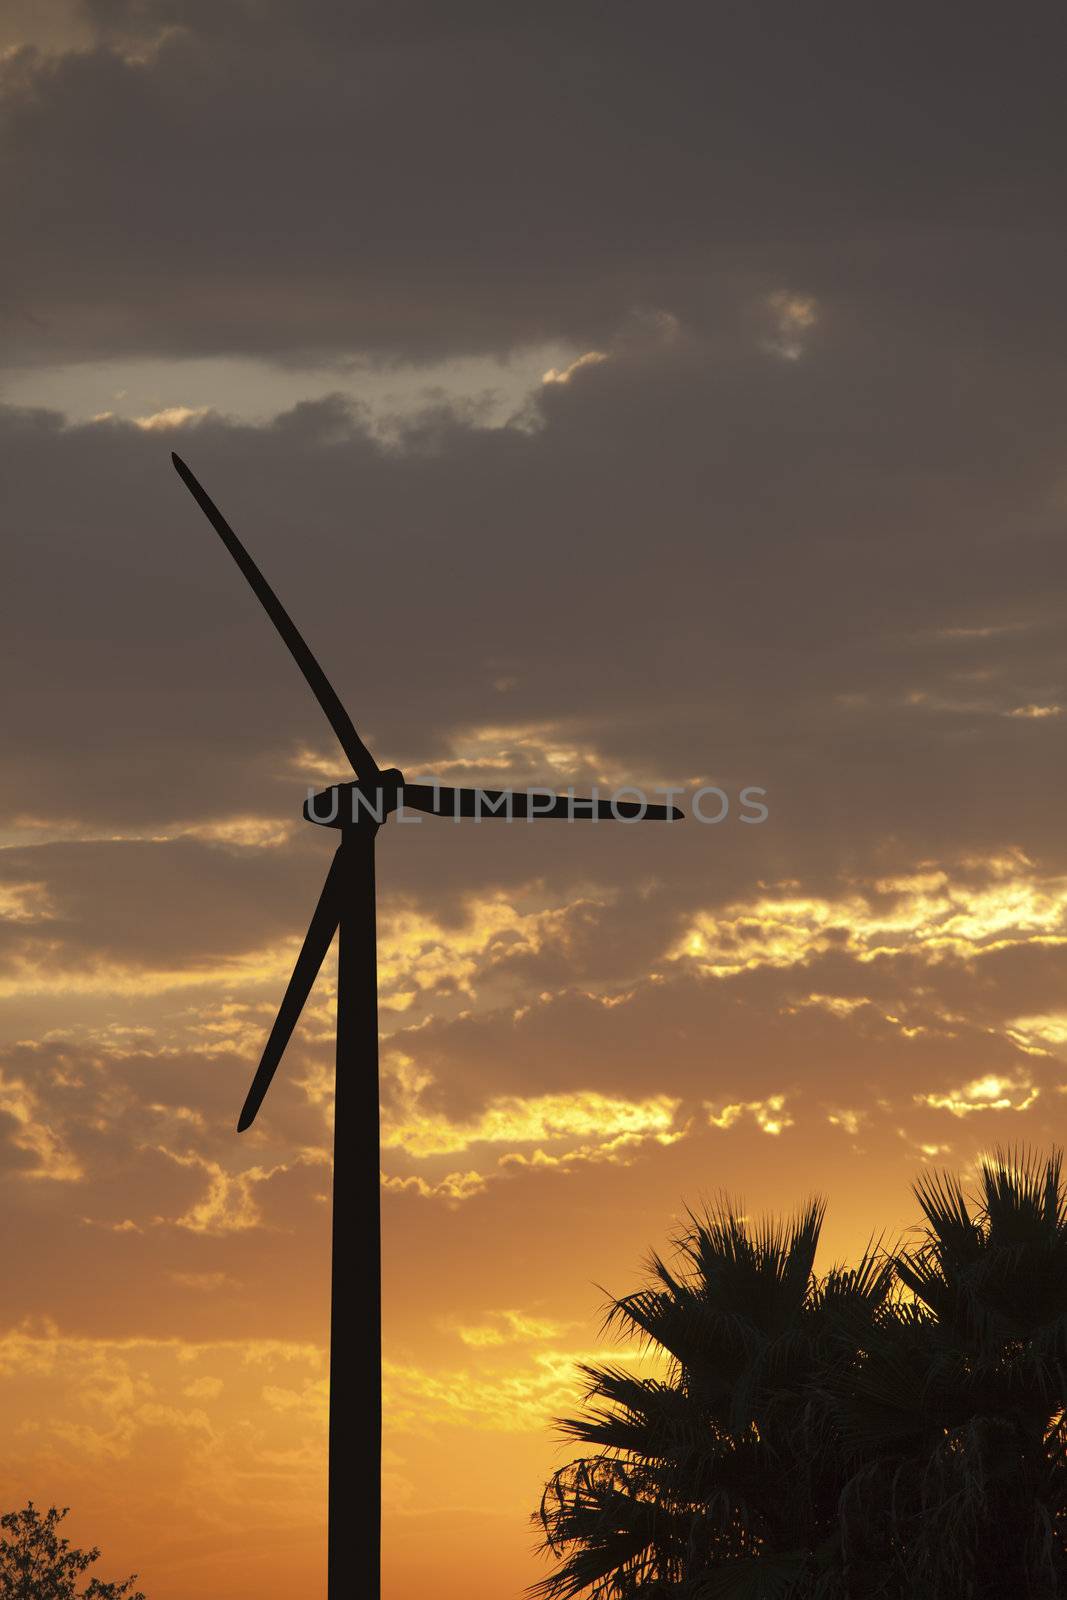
(347, 906)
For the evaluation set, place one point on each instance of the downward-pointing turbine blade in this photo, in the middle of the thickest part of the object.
(319, 936)
(363, 763)
(509, 803)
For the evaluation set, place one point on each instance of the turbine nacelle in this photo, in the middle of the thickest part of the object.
(346, 805)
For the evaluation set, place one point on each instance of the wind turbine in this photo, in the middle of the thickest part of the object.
(347, 905)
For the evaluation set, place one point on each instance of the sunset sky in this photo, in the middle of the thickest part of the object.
(615, 394)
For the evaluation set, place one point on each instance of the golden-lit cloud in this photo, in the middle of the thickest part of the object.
(250, 832)
(247, 830)
(793, 317)
(581, 1129)
(419, 955)
(550, 753)
(591, 358)
(228, 1203)
(203, 1282)
(849, 1121)
(203, 1389)
(928, 912)
(25, 902)
(31, 1135)
(989, 1093)
(191, 1423)
(507, 1327)
(422, 957)
(509, 1400)
(514, 1119)
(770, 1114)
(36, 973)
(171, 417)
(1035, 1034)
(454, 1186)
(622, 1150)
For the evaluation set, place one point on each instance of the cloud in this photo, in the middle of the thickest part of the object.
(992, 906)
(545, 1386)
(991, 1093)
(170, 418)
(228, 1205)
(273, 150)
(518, 1120)
(166, 1420)
(590, 358)
(508, 1327)
(32, 1138)
(770, 1115)
(204, 1388)
(1035, 711)
(792, 316)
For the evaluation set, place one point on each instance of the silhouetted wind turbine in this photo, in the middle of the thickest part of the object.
(347, 904)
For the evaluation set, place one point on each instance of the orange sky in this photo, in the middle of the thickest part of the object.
(164, 1371)
(610, 404)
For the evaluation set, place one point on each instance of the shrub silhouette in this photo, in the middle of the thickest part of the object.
(36, 1564)
(889, 1430)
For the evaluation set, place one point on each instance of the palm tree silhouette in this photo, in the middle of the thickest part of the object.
(891, 1430)
(955, 1420)
(718, 1466)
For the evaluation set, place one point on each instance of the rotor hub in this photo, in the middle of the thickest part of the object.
(356, 804)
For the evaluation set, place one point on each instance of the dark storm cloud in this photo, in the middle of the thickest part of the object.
(408, 179)
(840, 577)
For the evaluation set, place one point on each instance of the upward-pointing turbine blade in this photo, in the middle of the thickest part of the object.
(509, 803)
(319, 936)
(363, 763)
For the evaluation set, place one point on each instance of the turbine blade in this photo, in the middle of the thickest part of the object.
(509, 803)
(316, 943)
(363, 763)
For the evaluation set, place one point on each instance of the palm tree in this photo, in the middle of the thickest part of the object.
(955, 1419)
(714, 1479)
(889, 1432)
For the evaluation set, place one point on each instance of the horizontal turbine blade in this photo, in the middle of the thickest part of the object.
(533, 805)
(363, 763)
(319, 937)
